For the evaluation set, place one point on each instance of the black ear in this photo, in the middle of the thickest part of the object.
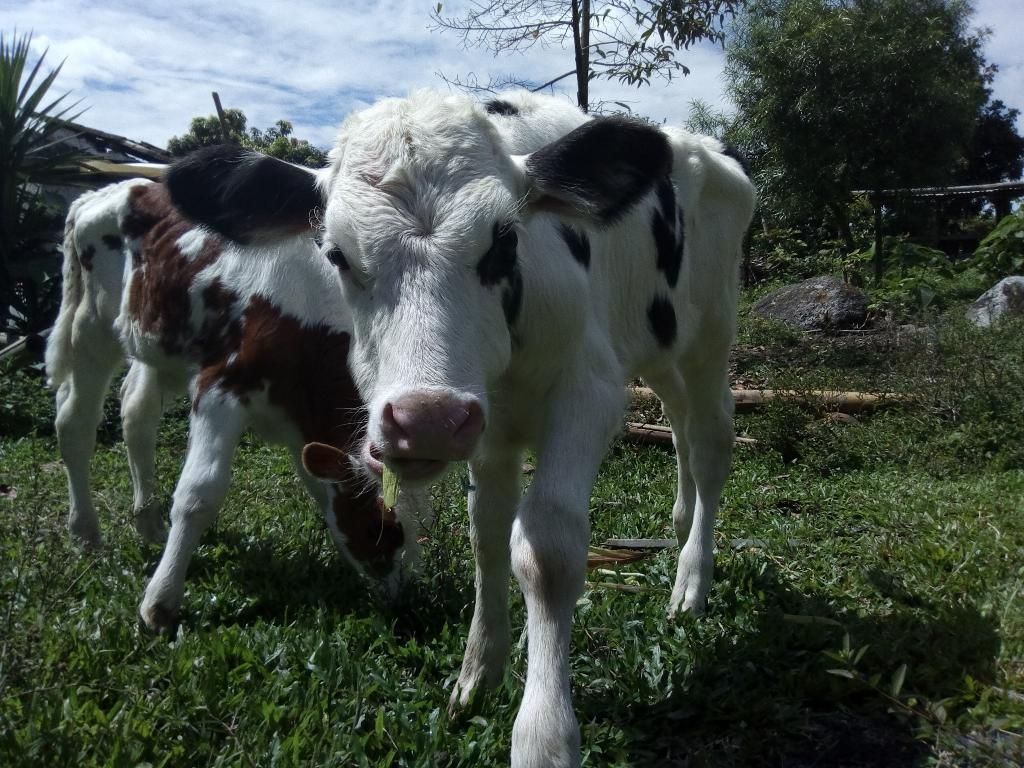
(599, 170)
(242, 194)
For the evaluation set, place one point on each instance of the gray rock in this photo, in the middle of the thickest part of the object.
(818, 304)
(1004, 298)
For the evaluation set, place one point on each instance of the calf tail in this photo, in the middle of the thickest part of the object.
(58, 346)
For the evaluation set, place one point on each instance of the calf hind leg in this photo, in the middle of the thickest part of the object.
(669, 387)
(708, 434)
(142, 404)
(217, 423)
(79, 411)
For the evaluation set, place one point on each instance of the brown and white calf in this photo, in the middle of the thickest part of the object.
(259, 342)
(509, 266)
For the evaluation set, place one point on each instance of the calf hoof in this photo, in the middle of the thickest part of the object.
(544, 738)
(465, 700)
(693, 582)
(86, 538)
(159, 619)
(151, 528)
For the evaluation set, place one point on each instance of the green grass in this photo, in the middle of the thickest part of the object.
(868, 607)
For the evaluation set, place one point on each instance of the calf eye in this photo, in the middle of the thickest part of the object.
(337, 258)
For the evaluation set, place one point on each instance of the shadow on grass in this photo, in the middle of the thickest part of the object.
(280, 586)
(760, 694)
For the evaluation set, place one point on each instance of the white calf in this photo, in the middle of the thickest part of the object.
(260, 342)
(509, 267)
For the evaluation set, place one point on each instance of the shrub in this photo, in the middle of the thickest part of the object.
(1001, 253)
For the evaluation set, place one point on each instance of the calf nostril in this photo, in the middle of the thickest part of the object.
(390, 422)
(473, 422)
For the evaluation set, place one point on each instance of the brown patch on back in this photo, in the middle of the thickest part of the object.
(159, 294)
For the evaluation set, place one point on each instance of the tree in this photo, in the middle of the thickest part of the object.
(276, 140)
(631, 41)
(206, 131)
(854, 94)
(30, 158)
(996, 150)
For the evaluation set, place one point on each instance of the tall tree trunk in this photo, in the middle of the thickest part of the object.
(879, 242)
(841, 217)
(581, 51)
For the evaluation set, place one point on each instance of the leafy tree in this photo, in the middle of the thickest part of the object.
(30, 158)
(996, 151)
(206, 131)
(853, 94)
(276, 140)
(631, 41)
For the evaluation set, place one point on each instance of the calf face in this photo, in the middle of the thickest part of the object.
(423, 210)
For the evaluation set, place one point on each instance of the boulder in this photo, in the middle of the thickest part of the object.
(818, 304)
(1004, 298)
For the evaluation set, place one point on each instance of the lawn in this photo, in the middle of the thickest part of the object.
(868, 607)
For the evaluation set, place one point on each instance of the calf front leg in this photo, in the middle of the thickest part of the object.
(494, 492)
(549, 558)
(215, 428)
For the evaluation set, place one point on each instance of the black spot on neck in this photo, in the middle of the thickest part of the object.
(730, 151)
(113, 242)
(501, 107)
(578, 243)
(662, 318)
(499, 263)
(666, 247)
(667, 198)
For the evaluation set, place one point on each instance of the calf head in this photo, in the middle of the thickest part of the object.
(368, 534)
(423, 213)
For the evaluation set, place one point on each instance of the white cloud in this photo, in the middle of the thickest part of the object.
(145, 70)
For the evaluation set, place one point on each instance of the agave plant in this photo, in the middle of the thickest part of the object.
(30, 157)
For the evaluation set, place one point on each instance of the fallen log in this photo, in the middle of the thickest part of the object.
(656, 433)
(748, 400)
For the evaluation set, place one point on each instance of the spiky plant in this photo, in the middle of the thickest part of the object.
(30, 157)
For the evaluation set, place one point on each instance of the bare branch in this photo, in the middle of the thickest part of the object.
(554, 80)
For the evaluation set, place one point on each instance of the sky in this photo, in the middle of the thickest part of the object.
(144, 69)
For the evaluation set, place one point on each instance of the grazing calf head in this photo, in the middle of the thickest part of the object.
(422, 211)
(370, 535)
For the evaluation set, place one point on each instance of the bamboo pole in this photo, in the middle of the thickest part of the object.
(748, 400)
(656, 433)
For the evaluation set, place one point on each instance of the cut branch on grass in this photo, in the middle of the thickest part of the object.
(748, 400)
(661, 435)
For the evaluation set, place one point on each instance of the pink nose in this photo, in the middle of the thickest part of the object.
(430, 425)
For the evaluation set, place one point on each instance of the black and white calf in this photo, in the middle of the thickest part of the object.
(509, 267)
(260, 342)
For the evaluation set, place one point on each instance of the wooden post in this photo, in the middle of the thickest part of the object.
(220, 116)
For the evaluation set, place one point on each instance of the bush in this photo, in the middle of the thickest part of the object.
(919, 278)
(1001, 253)
(790, 254)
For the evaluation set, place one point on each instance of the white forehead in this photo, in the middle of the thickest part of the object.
(431, 166)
